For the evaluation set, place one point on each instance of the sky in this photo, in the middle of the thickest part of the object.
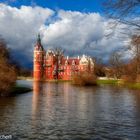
(73, 5)
(77, 26)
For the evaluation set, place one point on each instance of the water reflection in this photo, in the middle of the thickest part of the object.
(6, 108)
(37, 88)
(78, 112)
(62, 111)
(136, 95)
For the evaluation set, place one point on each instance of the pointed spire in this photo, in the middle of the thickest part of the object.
(40, 47)
(39, 39)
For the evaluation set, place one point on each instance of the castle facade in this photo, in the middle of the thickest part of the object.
(52, 64)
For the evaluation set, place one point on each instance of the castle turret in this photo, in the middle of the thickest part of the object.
(39, 54)
(86, 64)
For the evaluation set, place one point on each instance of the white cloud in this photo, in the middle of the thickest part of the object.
(75, 32)
(78, 32)
(19, 27)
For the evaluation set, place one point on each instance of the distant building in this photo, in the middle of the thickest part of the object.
(49, 65)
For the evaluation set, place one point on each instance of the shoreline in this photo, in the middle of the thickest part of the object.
(119, 82)
(19, 89)
(100, 81)
(25, 78)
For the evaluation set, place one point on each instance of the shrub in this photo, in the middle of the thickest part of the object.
(7, 77)
(84, 79)
(138, 78)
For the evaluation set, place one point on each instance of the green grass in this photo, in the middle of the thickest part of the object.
(132, 85)
(108, 81)
(118, 82)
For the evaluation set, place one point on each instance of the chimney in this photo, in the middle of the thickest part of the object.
(67, 57)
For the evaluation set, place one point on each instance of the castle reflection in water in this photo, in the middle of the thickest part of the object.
(69, 111)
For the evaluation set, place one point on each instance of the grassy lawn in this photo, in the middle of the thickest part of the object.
(107, 81)
(132, 85)
(118, 82)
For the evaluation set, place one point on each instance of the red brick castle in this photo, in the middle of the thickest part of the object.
(54, 65)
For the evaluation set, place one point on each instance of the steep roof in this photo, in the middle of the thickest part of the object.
(38, 45)
(70, 61)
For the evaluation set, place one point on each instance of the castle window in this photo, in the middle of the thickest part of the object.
(73, 62)
(66, 62)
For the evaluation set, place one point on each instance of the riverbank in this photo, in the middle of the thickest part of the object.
(25, 78)
(107, 81)
(31, 79)
(132, 85)
(119, 82)
(17, 89)
(99, 81)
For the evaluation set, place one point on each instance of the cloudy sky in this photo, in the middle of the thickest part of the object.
(77, 26)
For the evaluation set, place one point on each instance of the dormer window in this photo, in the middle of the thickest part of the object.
(66, 62)
(73, 62)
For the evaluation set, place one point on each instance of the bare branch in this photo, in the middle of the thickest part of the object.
(124, 11)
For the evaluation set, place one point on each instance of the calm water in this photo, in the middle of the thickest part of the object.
(64, 112)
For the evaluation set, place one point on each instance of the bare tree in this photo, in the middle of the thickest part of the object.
(117, 64)
(99, 67)
(127, 12)
(59, 54)
(136, 50)
(7, 71)
(124, 11)
(136, 43)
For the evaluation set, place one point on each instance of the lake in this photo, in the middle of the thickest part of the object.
(61, 111)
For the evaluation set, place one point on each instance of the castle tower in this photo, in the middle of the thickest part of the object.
(50, 65)
(38, 64)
